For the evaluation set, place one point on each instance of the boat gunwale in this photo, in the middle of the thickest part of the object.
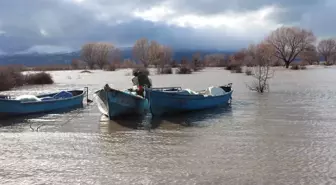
(120, 91)
(174, 95)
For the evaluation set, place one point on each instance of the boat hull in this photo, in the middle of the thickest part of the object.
(162, 103)
(121, 103)
(10, 108)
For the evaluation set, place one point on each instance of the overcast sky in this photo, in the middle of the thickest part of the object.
(62, 25)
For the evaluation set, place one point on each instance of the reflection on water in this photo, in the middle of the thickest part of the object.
(286, 136)
(196, 119)
(191, 119)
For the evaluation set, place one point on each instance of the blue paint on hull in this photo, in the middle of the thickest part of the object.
(162, 103)
(123, 103)
(9, 108)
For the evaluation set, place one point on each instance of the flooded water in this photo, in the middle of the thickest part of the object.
(287, 136)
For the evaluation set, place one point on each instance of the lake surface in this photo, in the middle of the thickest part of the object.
(287, 136)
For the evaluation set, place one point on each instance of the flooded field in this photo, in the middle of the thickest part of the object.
(287, 136)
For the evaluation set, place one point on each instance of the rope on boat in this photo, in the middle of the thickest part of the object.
(88, 101)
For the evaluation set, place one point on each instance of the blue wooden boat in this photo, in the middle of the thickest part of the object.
(116, 103)
(14, 106)
(177, 100)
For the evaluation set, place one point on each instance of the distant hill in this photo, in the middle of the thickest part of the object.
(35, 59)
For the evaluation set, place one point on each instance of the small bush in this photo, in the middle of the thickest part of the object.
(174, 63)
(328, 63)
(234, 68)
(184, 70)
(142, 70)
(38, 79)
(10, 78)
(250, 64)
(110, 67)
(228, 67)
(248, 72)
(298, 67)
(196, 66)
(277, 63)
(238, 69)
(295, 67)
(303, 67)
(165, 70)
(127, 63)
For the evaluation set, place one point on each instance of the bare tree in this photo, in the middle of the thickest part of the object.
(310, 55)
(165, 55)
(262, 55)
(97, 54)
(140, 51)
(327, 49)
(154, 53)
(128, 63)
(289, 42)
(196, 62)
(184, 61)
(75, 63)
(103, 54)
(88, 54)
(116, 58)
(251, 55)
(239, 56)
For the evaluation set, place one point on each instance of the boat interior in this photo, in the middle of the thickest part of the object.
(210, 91)
(44, 97)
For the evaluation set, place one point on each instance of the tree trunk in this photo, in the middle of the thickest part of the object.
(287, 64)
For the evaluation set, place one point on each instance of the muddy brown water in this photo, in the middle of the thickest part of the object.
(287, 136)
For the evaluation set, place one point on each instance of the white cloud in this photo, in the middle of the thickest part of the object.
(43, 32)
(246, 24)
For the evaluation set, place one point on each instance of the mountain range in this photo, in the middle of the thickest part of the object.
(36, 59)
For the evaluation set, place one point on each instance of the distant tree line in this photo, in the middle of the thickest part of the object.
(287, 44)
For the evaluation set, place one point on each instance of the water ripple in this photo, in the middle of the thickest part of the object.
(286, 136)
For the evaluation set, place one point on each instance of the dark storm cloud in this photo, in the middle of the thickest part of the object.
(219, 6)
(64, 23)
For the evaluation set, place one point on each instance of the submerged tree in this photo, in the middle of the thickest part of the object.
(327, 49)
(116, 58)
(154, 53)
(261, 55)
(215, 60)
(196, 62)
(103, 54)
(165, 60)
(141, 51)
(289, 42)
(310, 55)
(88, 54)
(97, 54)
